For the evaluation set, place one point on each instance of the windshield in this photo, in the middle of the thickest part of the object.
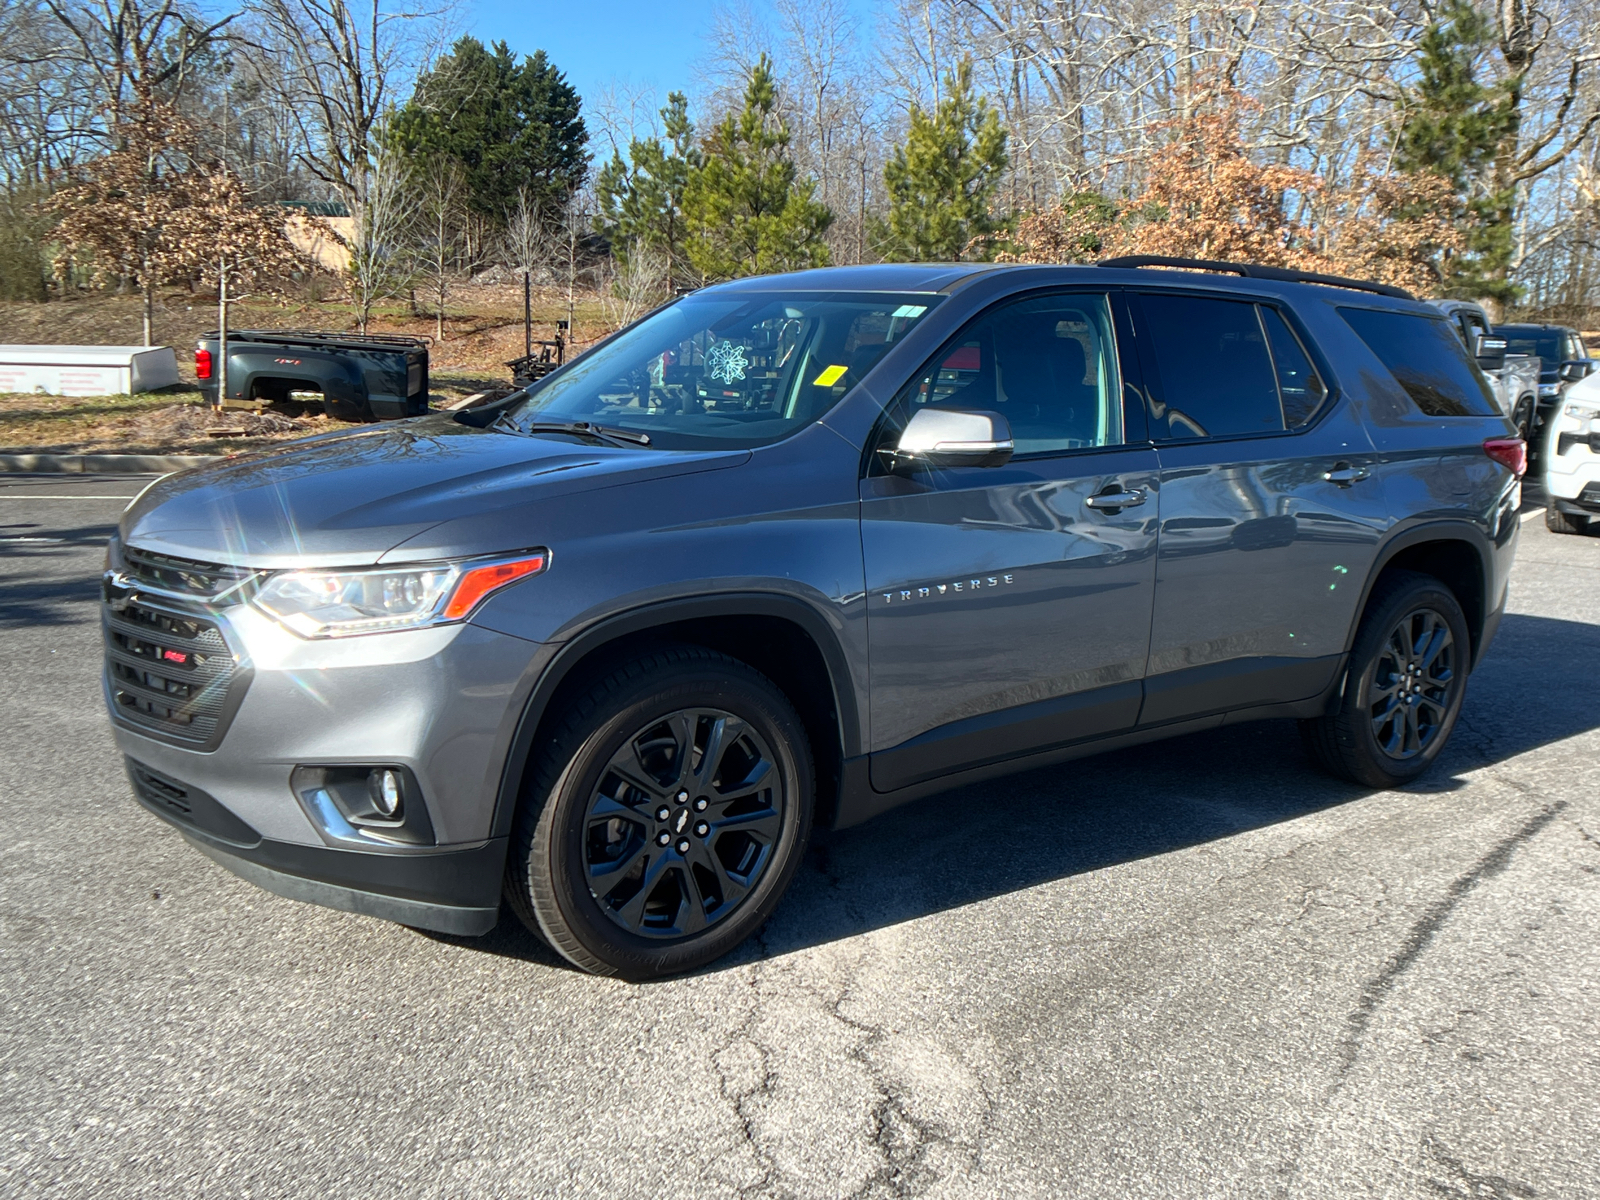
(728, 371)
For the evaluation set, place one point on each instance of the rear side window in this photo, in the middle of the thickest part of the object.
(1426, 359)
(1300, 388)
(1216, 374)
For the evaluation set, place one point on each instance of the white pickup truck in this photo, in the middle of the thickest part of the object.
(1514, 377)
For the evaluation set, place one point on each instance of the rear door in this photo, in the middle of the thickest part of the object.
(1009, 607)
(1270, 517)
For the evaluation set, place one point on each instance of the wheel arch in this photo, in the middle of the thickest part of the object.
(782, 637)
(1457, 553)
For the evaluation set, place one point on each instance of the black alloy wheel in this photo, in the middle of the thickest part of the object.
(1406, 682)
(682, 823)
(665, 817)
(1415, 679)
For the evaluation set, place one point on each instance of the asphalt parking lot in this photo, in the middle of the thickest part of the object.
(1197, 969)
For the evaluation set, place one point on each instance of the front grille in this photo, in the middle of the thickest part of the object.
(182, 576)
(170, 672)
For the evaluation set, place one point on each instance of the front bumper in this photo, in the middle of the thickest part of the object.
(450, 889)
(442, 703)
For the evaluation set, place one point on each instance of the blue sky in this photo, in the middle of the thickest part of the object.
(596, 41)
(600, 44)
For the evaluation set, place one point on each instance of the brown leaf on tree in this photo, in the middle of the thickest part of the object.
(1205, 197)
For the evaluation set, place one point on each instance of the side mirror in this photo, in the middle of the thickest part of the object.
(1490, 352)
(1576, 369)
(954, 437)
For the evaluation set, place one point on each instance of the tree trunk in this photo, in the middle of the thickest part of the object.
(149, 314)
(222, 335)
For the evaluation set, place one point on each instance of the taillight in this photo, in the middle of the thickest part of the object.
(202, 364)
(1511, 453)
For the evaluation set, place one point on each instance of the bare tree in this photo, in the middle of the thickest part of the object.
(381, 265)
(336, 68)
(632, 285)
(135, 48)
(440, 191)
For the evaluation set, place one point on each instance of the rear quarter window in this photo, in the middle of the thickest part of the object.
(1426, 359)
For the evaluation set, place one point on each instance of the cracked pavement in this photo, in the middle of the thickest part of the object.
(1197, 969)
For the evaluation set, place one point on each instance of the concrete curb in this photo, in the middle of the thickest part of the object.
(103, 464)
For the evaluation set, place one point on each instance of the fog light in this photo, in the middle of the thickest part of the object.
(384, 787)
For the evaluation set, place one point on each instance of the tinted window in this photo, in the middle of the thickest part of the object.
(1426, 359)
(1545, 343)
(1048, 365)
(1300, 389)
(1216, 376)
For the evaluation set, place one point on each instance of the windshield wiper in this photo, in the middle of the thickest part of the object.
(599, 433)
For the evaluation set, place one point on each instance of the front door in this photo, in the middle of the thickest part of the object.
(1271, 508)
(1009, 607)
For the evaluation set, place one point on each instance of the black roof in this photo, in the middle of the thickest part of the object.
(944, 277)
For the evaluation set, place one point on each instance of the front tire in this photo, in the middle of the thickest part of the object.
(665, 817)
(1407, 680)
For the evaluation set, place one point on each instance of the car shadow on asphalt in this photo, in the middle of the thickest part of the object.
(44, 576)
(1535, 687)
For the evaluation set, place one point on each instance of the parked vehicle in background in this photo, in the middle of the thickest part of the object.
(1513, 378)
(797, 549)
(354, 376)
(1572, 460)
(1562, 357)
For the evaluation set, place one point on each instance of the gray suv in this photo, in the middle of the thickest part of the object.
(795, 550)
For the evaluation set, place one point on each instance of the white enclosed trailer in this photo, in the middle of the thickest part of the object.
(86, 370)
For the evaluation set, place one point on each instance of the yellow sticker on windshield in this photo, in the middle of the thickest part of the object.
(829, 377)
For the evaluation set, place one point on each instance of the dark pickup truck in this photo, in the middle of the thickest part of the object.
(361, 377)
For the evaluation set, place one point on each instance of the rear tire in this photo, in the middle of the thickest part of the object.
(1557, 521)
(1523, 420)
(1406, 683)
(665, 816)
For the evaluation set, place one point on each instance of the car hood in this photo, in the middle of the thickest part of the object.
(345, 499)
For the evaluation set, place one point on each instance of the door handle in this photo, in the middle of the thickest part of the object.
(1344, 474)
(1115, 500)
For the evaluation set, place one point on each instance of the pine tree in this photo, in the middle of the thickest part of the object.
(747, 210)
(941, 182)
(1456, 127)
(512, 127)
(641, 200)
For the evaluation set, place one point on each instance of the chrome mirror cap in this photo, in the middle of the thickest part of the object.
(954, 437)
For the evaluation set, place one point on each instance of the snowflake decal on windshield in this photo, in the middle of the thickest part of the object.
(726, 362)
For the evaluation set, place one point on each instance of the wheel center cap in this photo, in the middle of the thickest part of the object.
(681, 821)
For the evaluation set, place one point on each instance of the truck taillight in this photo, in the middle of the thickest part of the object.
(1509, 452)
(202, 364)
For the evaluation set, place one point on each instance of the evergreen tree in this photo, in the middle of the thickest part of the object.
(511, 127)
(746, 209)
(1456, 127)
(641, 200)
(942, 180)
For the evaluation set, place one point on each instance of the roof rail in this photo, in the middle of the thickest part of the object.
(1255, 271)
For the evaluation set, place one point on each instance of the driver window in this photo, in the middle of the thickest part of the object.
(1047, 364)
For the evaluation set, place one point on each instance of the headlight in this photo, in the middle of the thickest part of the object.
(1580, 411)
(324, 604)
(1549, 389)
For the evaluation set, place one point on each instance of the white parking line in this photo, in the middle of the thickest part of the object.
(1530, 515)
(5, 495)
